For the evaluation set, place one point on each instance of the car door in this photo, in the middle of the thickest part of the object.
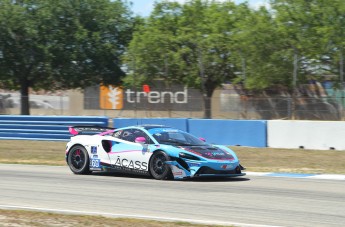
(126, 154)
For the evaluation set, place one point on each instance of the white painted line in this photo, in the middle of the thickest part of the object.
(298, 175)
(258, 173)
(328, 177)
(116, 215)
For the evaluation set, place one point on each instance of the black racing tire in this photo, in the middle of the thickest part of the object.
(157, 167)
(78, 160)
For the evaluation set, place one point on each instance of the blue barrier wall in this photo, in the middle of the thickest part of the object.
(225, 132)
(44, 127)
(180, 123)
(230, 132)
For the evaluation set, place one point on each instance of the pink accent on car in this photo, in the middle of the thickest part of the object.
(72, 131)
(105, 133)
(114, 152)
(140, 139)
(202, 139)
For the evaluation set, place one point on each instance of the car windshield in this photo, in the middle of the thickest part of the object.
(175, 137)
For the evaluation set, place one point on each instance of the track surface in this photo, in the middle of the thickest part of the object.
(252, 200)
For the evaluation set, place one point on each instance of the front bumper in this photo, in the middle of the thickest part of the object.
(199, 170)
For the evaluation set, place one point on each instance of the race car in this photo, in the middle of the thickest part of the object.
(158, 151)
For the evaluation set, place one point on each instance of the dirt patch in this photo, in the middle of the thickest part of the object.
(291, 160)
(14, 218)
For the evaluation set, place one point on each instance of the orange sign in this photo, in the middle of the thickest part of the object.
(111, 97)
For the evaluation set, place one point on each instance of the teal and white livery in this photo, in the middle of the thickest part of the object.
(158, 151)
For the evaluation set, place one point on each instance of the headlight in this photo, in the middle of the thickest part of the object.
(188, 156)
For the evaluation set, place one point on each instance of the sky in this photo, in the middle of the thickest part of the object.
(144, 7)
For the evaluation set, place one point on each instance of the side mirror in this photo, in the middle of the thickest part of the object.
(202, 139)
(140, 139)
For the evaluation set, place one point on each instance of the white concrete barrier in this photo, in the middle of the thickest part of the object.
(319, 135)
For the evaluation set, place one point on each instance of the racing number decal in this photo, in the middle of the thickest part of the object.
(95, 163)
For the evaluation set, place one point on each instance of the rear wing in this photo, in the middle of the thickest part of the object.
(88, 129)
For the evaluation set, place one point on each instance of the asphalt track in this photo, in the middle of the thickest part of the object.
(246, 201)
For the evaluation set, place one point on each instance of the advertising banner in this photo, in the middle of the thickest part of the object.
(177, 98)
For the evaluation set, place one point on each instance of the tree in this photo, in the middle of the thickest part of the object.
(47, 44)
(191, 44)
(308, 30)
(261, 48)
(330, 19)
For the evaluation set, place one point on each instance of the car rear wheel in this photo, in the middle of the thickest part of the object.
(78, 160)
(158, 169)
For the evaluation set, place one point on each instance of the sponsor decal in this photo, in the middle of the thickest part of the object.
(130, 164)
(226, 166)
(215, 155)
(93, 150)
(125, 169)
(193, 164)
(178, 173)
(118, 133)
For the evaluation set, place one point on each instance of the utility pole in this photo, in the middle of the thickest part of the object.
(243, 68)
(341, 67)
(294, 83)
(341, 74)
(207, 100)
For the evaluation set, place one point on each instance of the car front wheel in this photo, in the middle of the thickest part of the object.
(158, 169)
(78, 160)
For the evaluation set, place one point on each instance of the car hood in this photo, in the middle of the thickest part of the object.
(209, 152)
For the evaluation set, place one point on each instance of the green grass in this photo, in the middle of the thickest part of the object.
(255, 159)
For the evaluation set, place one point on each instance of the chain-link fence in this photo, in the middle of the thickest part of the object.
(225, 105)
(40, 104)
(299, 108)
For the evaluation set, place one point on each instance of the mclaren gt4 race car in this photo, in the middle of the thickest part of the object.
(159, 151)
